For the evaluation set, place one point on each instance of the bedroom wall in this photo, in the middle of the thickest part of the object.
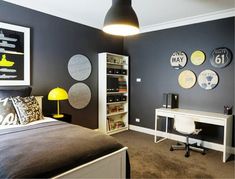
(53, 42)
(150, 60)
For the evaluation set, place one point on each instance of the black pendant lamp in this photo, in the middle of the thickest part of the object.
(121, 19)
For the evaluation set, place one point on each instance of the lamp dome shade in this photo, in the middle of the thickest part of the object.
(57, 94)
(121, 19)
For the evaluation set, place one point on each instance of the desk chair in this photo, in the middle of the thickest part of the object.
(186, 126)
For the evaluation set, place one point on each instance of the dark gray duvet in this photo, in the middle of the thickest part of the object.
(48, 149)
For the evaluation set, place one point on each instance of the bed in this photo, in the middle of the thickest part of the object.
(53, 149)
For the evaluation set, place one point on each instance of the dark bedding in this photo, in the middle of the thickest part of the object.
(48, 149)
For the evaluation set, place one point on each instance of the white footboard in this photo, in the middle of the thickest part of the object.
(109, 166)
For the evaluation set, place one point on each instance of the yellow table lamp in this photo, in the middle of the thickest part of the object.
(58, 94)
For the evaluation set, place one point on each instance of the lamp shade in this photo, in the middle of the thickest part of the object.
(57, 94)
(121, 19)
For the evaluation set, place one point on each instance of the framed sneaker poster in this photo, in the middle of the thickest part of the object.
(14, 55)
(208, 79)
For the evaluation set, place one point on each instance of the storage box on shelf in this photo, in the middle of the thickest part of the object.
(113, 93)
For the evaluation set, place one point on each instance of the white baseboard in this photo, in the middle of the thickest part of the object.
(210, 145)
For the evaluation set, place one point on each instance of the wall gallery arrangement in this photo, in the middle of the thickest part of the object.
(207, 79)
(14, 55)
(79, 68)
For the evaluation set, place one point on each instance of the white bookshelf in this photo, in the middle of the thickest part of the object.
(112, 114)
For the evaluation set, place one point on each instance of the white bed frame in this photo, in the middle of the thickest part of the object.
(112, 165)
(109, 166)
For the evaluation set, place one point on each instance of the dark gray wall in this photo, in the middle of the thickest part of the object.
(150, 60)
(53, 42)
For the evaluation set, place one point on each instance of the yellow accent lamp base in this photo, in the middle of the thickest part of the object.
(58, 115)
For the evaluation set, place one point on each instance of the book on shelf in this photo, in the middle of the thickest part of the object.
(112, 124)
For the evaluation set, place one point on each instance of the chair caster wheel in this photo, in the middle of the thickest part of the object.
(187, 154)
(171, 149)
(203, 153)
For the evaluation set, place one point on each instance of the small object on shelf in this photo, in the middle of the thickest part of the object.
(110, 98)
(123, 72)
(117, 98)
(123, 98)
(110, 71)
(117, 71)
(66, 118)
(228, 110)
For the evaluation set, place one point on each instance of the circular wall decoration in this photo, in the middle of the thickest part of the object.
(198, 57)
(221, 57)
(79, 95)
(208, 79)
(79, 67)
(178, 60)
(187, 79)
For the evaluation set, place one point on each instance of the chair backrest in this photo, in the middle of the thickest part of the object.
(184, 124)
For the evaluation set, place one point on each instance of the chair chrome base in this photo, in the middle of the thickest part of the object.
(188, 147)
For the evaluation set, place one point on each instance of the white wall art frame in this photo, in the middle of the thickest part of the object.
(15, 46)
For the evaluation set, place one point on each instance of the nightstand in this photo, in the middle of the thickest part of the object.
(66, 118)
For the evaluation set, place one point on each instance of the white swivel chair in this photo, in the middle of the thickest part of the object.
(186, 126)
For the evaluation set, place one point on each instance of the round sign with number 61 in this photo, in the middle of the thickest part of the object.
(221, 57)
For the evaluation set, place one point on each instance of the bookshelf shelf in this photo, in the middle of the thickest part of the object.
(113, 103)
(120, 129)
(117, 92)
(117, 113)
(110, 120)
(117, 75)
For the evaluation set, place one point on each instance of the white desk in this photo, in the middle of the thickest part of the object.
(203, 117)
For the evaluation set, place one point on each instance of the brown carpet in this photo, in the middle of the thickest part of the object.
(150, 160)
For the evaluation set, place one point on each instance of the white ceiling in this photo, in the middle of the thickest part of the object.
(150, 12)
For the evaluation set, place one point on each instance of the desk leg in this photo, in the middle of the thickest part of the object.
(155, 135)
(227, 138)
(155, 132)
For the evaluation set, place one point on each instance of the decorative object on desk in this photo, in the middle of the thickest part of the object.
(79, 67)
(198, 57)
(14, 55)
(170, 100)
(58, 94)
(228, 110)
(187, 79)
(79, 95)
(178, 60)
(208, 79)
(221, 57)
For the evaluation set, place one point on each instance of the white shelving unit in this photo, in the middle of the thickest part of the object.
(113, 116)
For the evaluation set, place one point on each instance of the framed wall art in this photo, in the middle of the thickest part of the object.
(14, 55)
(187, 79)
(79, 67)
(221, 57)
(198, 57)
(178, 60)
(208, 79)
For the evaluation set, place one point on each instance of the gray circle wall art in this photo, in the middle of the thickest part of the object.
(208, 79)
(79, 95)
(178, 60)
(79, 67)
(221, 57)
